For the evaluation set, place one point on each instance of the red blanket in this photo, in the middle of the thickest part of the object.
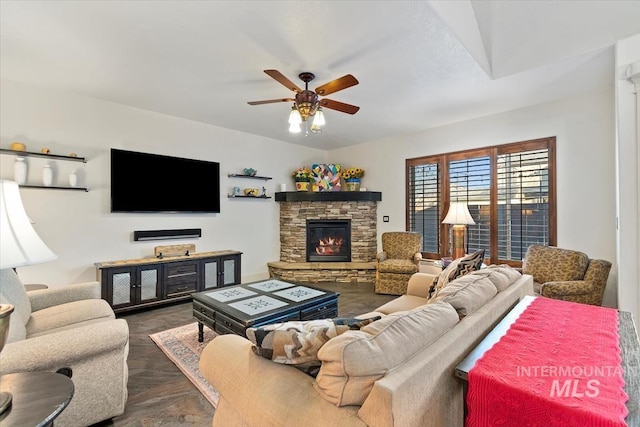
(558, 365)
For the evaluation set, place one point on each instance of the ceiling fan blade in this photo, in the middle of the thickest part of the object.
(339, 106)
(336, 85)
(280, 78)
(270, 101)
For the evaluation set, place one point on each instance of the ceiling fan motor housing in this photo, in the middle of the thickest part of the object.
(307, 103)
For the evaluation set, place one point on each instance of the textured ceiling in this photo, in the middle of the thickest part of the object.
(420, 64)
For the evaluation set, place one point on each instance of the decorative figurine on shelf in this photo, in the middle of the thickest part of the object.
(18, 146)
(250, 171)
(252, 192)
(264, 192)
(236, 191)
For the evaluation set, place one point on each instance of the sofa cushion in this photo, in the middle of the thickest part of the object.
(297, 342)
(466, 294)
(500, 275)
(353, 361)
(402, 303)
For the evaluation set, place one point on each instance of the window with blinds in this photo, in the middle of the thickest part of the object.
(509, 190)
(424, 204)
(523, 202)
(470, 182)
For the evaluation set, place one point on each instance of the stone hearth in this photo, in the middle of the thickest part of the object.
(296, 208)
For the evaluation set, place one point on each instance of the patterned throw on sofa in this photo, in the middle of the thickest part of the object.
(566, 274)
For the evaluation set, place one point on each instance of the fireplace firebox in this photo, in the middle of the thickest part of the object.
(329, 240)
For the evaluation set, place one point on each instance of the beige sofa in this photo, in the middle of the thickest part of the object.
(69, 327)
(414, 386)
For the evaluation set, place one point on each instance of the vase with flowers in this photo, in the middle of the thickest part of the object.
(352, 177)
(302, 176)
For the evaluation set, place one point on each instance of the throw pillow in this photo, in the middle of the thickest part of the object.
(297, 342)
(458, 268)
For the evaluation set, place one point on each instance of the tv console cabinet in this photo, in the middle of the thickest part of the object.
(146, 282)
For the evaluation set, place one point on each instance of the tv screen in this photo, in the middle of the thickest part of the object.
(143, 182)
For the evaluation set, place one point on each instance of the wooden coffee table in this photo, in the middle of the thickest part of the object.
(233, 309)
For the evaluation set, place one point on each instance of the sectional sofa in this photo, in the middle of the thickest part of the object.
(396, 371)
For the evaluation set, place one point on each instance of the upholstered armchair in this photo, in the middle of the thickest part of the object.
(566, 274)
(69, 327)
(398, 261)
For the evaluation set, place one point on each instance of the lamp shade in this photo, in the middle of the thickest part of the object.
(19, 243)
(458, 215)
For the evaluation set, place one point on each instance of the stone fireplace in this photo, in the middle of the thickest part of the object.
(327, 209)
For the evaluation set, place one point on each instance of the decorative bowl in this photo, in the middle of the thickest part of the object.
(251, 192)
(250, 171)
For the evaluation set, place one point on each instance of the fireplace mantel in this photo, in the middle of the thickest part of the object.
(329, 196)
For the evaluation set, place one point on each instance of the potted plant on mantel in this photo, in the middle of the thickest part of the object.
(352, 178)
(302, 176)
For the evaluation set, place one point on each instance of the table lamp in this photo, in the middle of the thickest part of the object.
(20, 245)
(459, 217)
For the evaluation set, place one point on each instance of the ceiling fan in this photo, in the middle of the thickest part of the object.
(307, 103)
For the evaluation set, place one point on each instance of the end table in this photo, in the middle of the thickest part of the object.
(38, 398)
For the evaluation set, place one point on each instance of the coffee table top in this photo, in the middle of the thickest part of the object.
(251, 302)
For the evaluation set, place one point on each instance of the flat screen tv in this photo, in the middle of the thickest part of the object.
(143, 182)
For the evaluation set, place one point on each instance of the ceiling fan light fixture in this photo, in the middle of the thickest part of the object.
(294, 117)
(307, 103)
(318, 118)
(294, 128)
(315, 128)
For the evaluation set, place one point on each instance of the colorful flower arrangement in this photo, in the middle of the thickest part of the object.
(302, 174)
(352, 173)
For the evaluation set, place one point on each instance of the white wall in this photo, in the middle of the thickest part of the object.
(628, 181)
(584, 128)
(78, 226)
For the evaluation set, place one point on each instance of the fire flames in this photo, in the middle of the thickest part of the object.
(329, 246)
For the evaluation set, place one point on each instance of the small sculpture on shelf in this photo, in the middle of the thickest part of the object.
(250, 171)
(264, 192)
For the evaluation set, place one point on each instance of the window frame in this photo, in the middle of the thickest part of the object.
(492, 152)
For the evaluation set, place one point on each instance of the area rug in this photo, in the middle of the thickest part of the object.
(182, 347)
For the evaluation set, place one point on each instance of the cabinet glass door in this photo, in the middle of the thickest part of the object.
(229, 277)
(148, 283)
(211, 271)
(121, 286)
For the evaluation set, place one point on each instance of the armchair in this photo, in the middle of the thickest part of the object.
(398, 261)
(69, 327)
(566, 274)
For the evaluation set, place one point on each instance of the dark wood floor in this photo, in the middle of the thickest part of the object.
(160, 395)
